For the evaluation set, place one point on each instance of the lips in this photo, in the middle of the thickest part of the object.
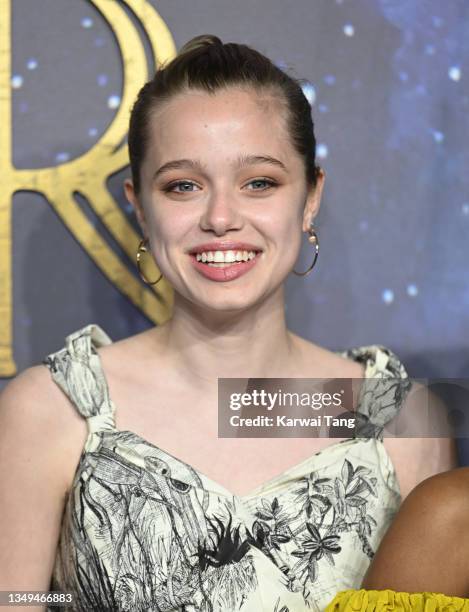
(225, 273)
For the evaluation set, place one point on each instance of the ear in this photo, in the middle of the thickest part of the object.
(138, 207)
(313, 200)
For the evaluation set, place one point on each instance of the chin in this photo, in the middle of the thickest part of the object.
(229, 303)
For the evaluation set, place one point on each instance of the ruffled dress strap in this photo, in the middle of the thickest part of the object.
(383, 390)
(363, 600)
(77, 370)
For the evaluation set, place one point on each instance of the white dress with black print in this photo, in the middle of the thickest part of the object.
(143, 530)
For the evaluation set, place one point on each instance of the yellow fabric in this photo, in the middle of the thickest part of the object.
(369, 601)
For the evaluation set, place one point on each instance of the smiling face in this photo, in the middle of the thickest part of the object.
(221, 169)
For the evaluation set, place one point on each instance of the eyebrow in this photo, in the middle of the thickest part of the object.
(240, 162)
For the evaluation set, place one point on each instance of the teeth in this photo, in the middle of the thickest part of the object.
(216, 258)
(230, 257)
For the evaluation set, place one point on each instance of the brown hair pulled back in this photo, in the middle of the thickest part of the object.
(206, 63)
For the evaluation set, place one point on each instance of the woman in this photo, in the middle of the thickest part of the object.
(158, 512)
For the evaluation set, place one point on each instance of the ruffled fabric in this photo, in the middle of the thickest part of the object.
(363, 600)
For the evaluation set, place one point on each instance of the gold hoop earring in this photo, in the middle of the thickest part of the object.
(142, 248)
(313, 238)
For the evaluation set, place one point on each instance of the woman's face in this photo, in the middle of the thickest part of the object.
(220, 174)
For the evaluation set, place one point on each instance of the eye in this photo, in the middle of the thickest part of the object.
(262, 180)
(185, 186)
(170, 188)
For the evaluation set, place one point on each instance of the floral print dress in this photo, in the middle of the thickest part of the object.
(143, 530)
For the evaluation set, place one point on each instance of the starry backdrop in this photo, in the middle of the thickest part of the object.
(388, 82)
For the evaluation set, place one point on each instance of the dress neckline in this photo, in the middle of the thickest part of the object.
(98, 337)
(220, 489)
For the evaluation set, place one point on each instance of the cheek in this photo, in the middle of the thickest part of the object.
(172, 223)
(283, 229)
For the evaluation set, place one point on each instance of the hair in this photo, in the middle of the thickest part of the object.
(206, 63)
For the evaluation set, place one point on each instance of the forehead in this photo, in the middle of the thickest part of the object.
(231, 118)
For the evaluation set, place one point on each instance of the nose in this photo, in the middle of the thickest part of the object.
(221, 214)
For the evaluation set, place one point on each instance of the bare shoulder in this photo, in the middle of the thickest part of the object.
(142, 345)
(325, 362)
(39, 446)
(20, 399)
(415, 457)
(436, 502)
(423, 412)
(38, 420)
(450, 487)
(425, 548)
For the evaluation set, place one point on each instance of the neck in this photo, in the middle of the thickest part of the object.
(204, 344)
